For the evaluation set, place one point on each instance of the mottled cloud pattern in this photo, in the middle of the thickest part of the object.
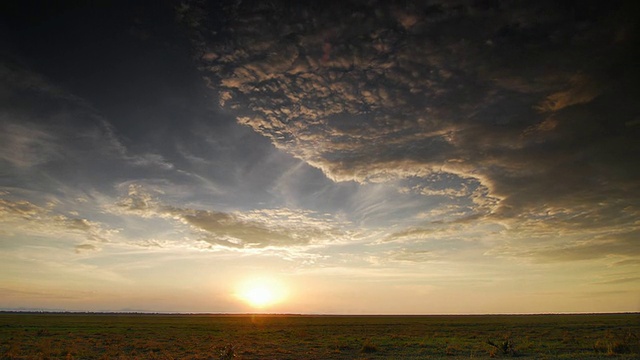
(524, 108)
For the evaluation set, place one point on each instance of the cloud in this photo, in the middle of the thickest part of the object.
(521, 107)
(17, 80)
(623, 280)
(27, 146)
(256, 229)
(43, 124)
(557, 245)
(85, 247)
(138, 201)
(580, 91)
(627, 262)
(413, 256)
(588, 251)
(19, 209)
(21, 216)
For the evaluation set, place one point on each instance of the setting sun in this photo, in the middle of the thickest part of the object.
(261, 293)
(259, 296)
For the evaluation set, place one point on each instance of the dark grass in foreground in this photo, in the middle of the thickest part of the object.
(126, 336)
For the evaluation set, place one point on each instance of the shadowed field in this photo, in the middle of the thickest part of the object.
(127, 336)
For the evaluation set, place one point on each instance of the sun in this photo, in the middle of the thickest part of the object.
(260, 293)
(259, 296)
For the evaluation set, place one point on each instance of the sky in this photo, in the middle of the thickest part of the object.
(352, 157)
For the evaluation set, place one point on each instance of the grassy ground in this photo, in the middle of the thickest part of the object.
(102, 336)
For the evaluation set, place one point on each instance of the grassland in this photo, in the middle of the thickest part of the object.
(127, 336)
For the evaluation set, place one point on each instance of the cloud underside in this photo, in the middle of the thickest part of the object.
(516, 126)
(522, 101)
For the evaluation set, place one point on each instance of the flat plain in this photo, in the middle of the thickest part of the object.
(155, 336)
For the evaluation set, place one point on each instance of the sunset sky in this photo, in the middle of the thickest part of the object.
(351, 157)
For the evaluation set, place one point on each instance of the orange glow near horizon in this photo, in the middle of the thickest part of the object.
(261, 293)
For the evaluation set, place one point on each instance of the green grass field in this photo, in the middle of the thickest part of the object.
(118, 336)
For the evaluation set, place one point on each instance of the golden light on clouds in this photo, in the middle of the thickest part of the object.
(375, 157)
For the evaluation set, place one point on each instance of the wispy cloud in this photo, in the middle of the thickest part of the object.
(26, 217)
(35, 132)
(26, 146)
(85, 247)
(241, 230)
(623, 280)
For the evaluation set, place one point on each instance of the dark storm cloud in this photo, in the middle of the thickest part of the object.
(532, 101)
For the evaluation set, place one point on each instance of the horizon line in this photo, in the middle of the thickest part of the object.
(148, 312)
